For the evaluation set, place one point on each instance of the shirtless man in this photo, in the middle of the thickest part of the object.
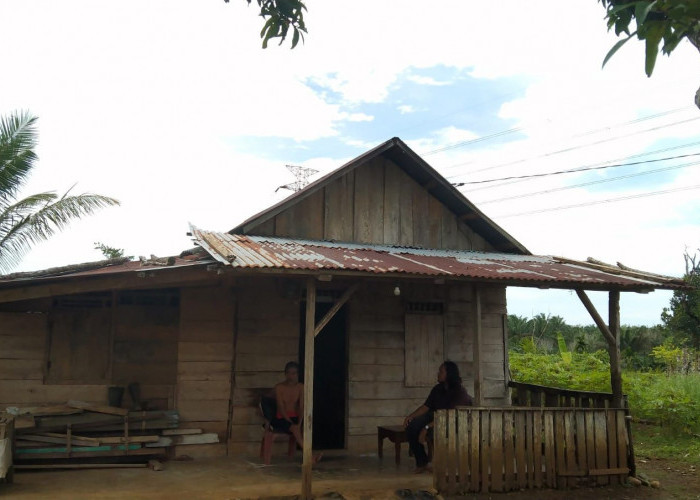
(290, 404)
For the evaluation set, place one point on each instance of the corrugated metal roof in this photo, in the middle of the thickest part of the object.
(245, 251)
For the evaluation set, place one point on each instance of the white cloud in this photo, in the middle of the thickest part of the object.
(428, 80)
(405, 109)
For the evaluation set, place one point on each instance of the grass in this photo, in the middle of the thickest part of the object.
(652, 441)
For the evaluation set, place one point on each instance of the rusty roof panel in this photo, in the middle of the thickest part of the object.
(243, 251)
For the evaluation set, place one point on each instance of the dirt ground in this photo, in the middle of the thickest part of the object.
(335, 477)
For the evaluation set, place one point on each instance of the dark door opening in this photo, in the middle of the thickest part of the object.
(330, 378)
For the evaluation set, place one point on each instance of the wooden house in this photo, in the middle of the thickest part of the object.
(383, 262)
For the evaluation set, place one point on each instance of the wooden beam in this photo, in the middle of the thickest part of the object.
(596, 317)
(614, 348)
(478, 375)
(308, 388)
(153, 279)
(336, 307)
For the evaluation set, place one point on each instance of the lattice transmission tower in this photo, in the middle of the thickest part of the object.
(301, 174)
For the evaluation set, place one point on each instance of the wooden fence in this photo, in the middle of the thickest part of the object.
(504, 449)
(552, 397)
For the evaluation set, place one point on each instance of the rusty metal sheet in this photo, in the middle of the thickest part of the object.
(244, 251)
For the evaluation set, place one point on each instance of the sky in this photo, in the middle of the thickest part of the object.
(175, 109)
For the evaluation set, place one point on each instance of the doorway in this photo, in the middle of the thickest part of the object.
(330, 376)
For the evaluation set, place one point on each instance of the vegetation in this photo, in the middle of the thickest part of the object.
(279, 16)
(659, 23)
(27, 221)
(109, 252)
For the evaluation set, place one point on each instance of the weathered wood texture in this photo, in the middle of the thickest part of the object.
(375, 203)
(507, 449)
(267, 337)
(205, 357)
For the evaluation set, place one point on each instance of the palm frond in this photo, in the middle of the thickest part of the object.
(44, 223)
(18, 139)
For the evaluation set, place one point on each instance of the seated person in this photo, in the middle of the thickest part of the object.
(446, 395)
(290, 405)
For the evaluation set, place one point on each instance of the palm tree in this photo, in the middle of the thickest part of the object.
(25, 222)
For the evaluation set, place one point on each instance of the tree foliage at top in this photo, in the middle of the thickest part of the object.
(659, 24)
(27, 221)
(683, 315)
(109, 252)
(279, 16)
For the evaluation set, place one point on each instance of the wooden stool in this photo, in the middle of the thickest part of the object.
(396, 434)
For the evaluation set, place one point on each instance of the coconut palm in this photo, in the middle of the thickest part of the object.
(25, 222)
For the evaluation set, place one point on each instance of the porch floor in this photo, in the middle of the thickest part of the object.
(226, 478)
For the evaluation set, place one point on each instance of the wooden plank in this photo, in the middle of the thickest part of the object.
(203, 389)
(485, 450)
(601, 444)
(560, 441)
(32, 392)
(520, 443)
(590, 439)
(392, 204)
(452, 464)
(369, 202)
(205, 351)
(385, 339)
(441, 445)
(622, 450)
(424, 348)
(108, 410)
(385, 390)
(406, 187)
(474, 450)
(508, 451)
(537, 424)
(421, 224)
(79, 466)
(550, 464)
(26, 455)
(530, 448)
(614, 348)
(163, 441)
(310, 319)
(376, 373)
(203, 370)
(612, 444)
(496, 448)
(207, 330)
(372, 356)
(339, 208)
(180, 432)
(74, 440)
(23, 324)
(203, 410)
(22, 347)
(434, 219)
(570, 446)
(21, 369)
(463, 450)
(130, 439)
(383, 408)
(478, 375)
(580, 422)
(335, 308)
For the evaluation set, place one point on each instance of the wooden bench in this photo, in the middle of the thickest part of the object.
(396, 434)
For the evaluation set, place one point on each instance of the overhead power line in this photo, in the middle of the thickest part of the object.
(599, 202)
(599, 181)
(574, 148)
(574, 170)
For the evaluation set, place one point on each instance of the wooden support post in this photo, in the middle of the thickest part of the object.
(478, 376)
(336, 307)
(308, 388)
(596, 317)
(614, 348)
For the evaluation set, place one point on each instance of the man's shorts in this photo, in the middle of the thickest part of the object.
(282, 425)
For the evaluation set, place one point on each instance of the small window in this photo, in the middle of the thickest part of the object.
(424, 348)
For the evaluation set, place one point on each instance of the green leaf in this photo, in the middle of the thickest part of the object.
(295, 38)
(615, 48)
(641, 11)
(653, 38)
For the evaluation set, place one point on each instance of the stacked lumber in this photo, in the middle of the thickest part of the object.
(77, 430)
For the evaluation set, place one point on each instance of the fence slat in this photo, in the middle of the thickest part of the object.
(560, 440)
(550, 466)
(485, 450)
(520, 449)
(537, 446)
(508, 451)
(463, 432)
(622, 450)
(570, 446)
(440, 449)
(496, 449)
(612, 444)
(474, 448)
(581, 440)
(601, 444)
(529, 448)
(452, 469)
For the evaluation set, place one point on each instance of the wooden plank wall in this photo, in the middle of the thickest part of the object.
(375, 203)
(459, 339)
(268, 328)
(204, 364)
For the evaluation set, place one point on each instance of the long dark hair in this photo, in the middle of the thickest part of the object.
(453, 380)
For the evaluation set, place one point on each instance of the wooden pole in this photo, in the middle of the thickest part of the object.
(336, 307)
(596, 317)
(614, 348)
(478, 376)
(308, 388)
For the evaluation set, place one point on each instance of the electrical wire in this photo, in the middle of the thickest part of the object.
(599, 202)
(574, 170)
(590, 183)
